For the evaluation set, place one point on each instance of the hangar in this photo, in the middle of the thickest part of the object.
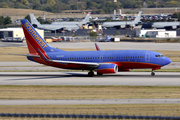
(14, 34)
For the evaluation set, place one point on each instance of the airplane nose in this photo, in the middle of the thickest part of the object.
(167, 61)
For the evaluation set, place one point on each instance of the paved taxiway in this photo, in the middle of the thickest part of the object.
(90, 101)
(81, 78)
(15, 66)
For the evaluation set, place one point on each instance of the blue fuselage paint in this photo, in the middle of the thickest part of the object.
(125, 59)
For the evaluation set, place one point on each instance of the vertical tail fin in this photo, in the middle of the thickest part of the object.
(86, 19)
(138, 17)
(34, 20)
(33, 39)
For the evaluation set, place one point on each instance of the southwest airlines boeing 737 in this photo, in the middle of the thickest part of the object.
(102, 61)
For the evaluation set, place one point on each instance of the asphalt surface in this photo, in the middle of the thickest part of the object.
(81, 78)
(89, 101)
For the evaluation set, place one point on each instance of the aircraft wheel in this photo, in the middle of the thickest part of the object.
(91, 74)
(99, 73)
(152, 73)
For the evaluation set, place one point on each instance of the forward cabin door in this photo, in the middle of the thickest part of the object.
(147, 57)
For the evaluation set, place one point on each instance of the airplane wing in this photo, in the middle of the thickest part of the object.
(90, 64)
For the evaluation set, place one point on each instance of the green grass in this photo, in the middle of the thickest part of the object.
(9, 92)
(123, 109)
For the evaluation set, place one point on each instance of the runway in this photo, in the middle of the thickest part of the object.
(81, 78)
(90, 101)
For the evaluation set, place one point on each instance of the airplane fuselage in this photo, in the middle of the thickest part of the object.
(162, 25)
(120, 24)
(57, 27)
(124, 59)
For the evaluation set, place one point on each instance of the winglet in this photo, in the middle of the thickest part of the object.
(97, 47)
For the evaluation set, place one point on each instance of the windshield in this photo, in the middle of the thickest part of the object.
(159, 55)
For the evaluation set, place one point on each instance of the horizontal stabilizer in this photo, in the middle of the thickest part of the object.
(25, 55)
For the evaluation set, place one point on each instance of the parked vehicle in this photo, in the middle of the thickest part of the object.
(54, 39)
(11, 39)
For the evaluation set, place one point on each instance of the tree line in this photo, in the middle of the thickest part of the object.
(98, 6)
(5, 20)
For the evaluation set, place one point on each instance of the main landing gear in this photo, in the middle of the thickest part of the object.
(152, 73)
(91, 73)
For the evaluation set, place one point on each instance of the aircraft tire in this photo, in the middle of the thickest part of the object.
(91, 74)
(152, 73)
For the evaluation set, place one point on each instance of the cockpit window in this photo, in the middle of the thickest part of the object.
(159, 55)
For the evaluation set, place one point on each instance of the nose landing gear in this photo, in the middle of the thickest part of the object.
(152, 73)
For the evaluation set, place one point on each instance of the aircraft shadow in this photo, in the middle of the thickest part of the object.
(79, 75)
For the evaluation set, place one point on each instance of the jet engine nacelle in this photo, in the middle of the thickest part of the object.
(107, 68)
